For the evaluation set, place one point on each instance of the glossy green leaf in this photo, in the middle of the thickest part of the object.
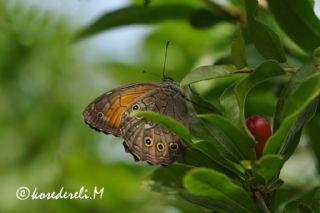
(203, 73)
(304, 72)
(296, 103)
(216, 145)
(265, 40)
(313, 66)
(229, 103)
(137, 15)
(297, 207)
(208, 203)
(238, 55)
(205, 140)
(268, 167)
(233, 139)
(298, 20)
(217, 186)
(169, 180)
(168, 122)
(196, 157)
(221, 156)
(200, 104)
(290, 134)
(313, 132)
(308, 86)
(233, 100)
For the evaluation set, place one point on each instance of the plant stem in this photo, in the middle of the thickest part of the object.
(250, 70)
(261, 203)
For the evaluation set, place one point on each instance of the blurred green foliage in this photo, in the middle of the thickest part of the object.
(46, 81)
(44, 86)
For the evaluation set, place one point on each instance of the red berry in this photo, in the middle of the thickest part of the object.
(259, 128)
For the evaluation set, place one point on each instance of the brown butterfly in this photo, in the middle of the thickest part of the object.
(145, 140)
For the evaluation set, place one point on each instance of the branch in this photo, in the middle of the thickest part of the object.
(261, 203)
(250, 70)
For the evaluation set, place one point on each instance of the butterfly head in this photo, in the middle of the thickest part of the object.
(167, 79)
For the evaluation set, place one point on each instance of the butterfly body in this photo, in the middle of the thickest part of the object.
(144, 139)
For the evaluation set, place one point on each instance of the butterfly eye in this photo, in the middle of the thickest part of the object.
(148, 141)
(135, 107)
(173, 146)
(160, 146)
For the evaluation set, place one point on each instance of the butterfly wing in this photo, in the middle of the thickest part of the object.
(149, 141)
(104, 113)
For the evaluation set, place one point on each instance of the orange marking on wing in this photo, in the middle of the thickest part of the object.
(115, 104)
(120, 102)
(126, 100)
(117, 121)
(115, 117)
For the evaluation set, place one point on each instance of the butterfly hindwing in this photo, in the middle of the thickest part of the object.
(149, 141)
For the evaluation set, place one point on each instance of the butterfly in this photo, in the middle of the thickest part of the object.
(147, 141)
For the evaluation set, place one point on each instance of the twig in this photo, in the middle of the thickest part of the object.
(250, 70)
(260, 201)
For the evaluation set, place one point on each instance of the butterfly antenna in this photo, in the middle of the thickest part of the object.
(165, 60)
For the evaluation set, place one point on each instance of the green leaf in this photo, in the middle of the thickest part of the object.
(298, 20)
(169, 180)
(137, 15)
(200, 104)
(213, 205)
(297, 207)
(194, 156)
(268, 167)
(238, 55)
(208, 72)
(304, 72)
(221, 157)
(229, 103)
(203, 18)
(168, 122)
(289, 136)
(307, 89)
(233, 100)
(312, 199)
(265, 40)
(296, 105)
(235, 141)
(217, 186)
(205, 139)
(295, 116)
(313, 132)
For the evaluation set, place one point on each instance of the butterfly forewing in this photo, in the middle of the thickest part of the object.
(104, 113)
